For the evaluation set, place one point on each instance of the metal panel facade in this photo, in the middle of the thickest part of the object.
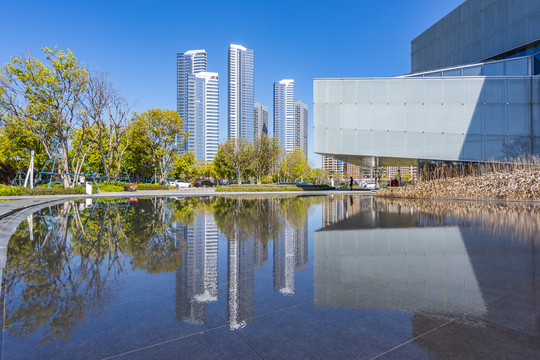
(401, 119)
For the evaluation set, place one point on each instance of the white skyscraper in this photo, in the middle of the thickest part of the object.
(197, 104)
(241, 93)
(203, 115)
(260, 115)
(284, 114)
(301, 126)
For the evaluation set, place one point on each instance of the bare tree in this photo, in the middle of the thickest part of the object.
(110, 112)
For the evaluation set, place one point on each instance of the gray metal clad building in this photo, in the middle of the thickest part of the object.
(473, 94)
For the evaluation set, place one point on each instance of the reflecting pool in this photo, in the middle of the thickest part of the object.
(273, 277)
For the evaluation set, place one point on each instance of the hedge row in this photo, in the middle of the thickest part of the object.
(257, 188)
(53, 190)
(154, 187)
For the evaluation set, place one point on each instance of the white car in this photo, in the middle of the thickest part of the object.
(182, 184)
(368, 184)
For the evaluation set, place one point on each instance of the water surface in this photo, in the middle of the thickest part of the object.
(274, 277)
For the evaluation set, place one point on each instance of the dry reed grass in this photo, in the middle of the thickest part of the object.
(518, 179)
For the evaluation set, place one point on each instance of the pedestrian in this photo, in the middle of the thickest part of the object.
(351, 183)
(399, 177)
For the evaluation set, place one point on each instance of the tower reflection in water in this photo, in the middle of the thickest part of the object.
(197, 276)
(248, 225)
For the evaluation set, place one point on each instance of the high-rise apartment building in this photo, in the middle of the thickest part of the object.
(241, 93)
(260, 116)
(187, 63)
(198, 104)
(284, 114)
(203, 115)
(301, 126)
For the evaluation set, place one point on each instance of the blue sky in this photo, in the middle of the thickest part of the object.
(136, 41)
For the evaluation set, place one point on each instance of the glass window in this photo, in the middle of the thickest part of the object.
(434, 74)
(453, 72)
(537, 48)
(537, 64)
(517, 67)
(494, 69)
(473, 71)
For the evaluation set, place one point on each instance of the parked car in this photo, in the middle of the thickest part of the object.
(204, 183)
(181, 184)
(368, 184)
(305, 183)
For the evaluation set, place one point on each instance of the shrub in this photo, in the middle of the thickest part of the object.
(118, 183)
(9, 190)
(52, 191)
(154, 187)
(109, 188)
(257, 188)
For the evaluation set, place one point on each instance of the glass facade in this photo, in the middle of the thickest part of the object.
(478, 30)
(509, 67)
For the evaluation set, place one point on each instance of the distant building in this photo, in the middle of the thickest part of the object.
(241, 93)
(391, 171)
(260, 117)
(301, 126)
(284, 114)
(198, 104)
(335, 166)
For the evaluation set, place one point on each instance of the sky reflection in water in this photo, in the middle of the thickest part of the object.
(216, 276)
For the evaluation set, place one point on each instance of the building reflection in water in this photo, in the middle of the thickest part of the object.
(240, 282)
(290, 255)
(436, 261)
(197, 276)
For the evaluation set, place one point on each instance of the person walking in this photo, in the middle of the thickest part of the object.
(351, 183)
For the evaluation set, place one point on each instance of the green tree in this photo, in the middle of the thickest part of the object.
(159, 130)
(234, 157)
(47, 100)
(294, 166)
(183, 165)
(137, 155)
(319, 176)
(265, 155)
(16, 143)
